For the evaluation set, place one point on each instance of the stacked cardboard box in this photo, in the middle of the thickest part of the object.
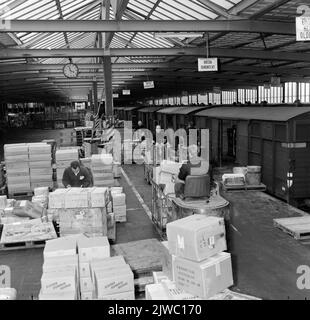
(113, 279)
(119, 205)
(117, 169)
(40, 164)
(60, 270)
(128, 152)
(80, 210)
(89, 249)
(200, 267)
(17, 168)
(41, 196)
(102, 169)
(63, 161)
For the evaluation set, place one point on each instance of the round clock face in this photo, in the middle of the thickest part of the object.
(71, 70)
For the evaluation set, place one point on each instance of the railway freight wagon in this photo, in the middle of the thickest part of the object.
(275, 138)
(149, 117)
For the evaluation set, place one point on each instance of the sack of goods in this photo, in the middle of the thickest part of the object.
(41, 196)
(119, 206)
(63, 161)
(89, 249)
(102, 169)
(60, 278)
(40, 164)
(17, 168)
(199, 265)
(113, 279)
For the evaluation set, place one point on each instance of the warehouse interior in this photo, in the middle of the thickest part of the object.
(93, 82)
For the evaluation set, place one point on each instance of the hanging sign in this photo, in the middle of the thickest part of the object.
(116, 95)
(126, 92)
(303, 28)
(149, 85)
(275, 81)
(207, 64)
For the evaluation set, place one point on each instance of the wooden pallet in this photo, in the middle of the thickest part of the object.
(16, 195)
(298, 227)
(22, 245)
(260, 187)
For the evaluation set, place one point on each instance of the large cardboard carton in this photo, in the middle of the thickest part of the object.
(77, 198)
(60, 247)
(58, 282)
(109, 282)
(98, 197)
(57, 199)
(67, 154)
(86, 284)
(204, 279)
(84, 268)
(120, 296)
(175, 293)
(118, 199)
(52, 263)
(156, 292)
(93, 248)
(106, 264)
(59, 296)
(197, 237)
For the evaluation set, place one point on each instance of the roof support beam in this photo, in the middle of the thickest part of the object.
(221, 53)
(241, 6)
(216, 9)
(152, 26)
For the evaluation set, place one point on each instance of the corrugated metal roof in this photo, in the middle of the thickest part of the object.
(188, 110)
(255, 113)
(131, 108)
(150, 109)
(169, 110)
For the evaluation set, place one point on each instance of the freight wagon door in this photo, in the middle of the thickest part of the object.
(268, 164)
(281, 170)
(242, 143)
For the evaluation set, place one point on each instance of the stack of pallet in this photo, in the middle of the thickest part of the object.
(60, 270)
(102, 169)
(63, 161)
(113, 279)
(119, 204)
(200, 265)
(17, 168)
(89, 249)
(40, 164)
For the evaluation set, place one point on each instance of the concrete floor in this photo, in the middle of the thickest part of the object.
(265, 259)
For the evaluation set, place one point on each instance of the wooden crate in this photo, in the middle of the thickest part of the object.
(298, 227)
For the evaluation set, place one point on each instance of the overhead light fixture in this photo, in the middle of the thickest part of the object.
(180, 35)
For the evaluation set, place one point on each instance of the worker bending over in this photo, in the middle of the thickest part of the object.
(77, 176)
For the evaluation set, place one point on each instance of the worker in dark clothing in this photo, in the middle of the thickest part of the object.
(76, 176)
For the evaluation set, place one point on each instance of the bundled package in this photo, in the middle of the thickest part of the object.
(119, 206)
(197, 237)
(102, 169)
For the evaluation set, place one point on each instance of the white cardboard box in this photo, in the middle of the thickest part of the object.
(77, 198)
(120, 296)
(98, 197)
(93, 248)
(107, 263)
(197, 237)
(57, 282)
(86, 284)
(119, 199)
(52, 263)
(59, 296)
(114, 281)
(204, 279)
(156, 292)
(60, 247)
(87, 295)
(57, 199)
(84, 268)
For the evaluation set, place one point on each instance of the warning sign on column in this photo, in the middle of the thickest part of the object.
(303, 28)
